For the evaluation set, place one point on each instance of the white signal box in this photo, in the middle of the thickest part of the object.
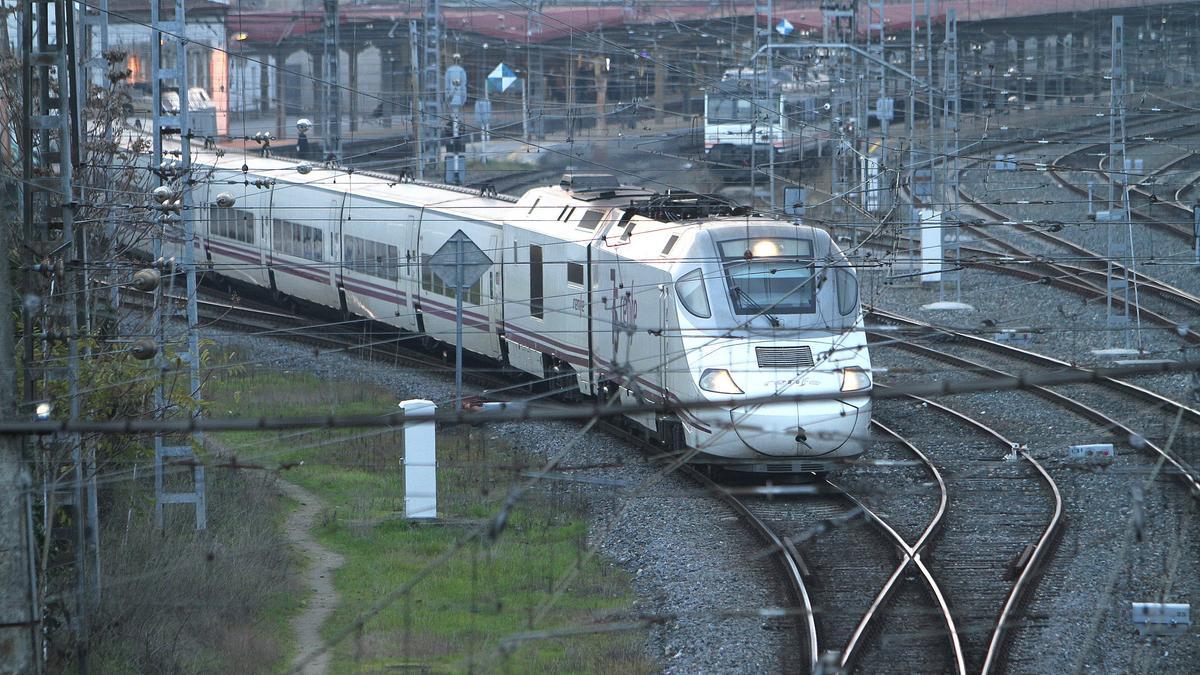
(420, 459)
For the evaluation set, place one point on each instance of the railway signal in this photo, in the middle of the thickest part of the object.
(459, 263)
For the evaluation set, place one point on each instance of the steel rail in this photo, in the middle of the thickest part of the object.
(911, 556)
(1167, 226)
(1143, 281)
(1128, 388)
(789, 558)
(1078, 407)
(1030, 571)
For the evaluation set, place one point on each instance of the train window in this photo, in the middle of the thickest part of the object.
(670, 244)
(536, 301)
(770, 275)
(298, 240)
(591, 218)
(371, 257)
(692, 293)
(231, 223)
(847, 290)
(574, 273)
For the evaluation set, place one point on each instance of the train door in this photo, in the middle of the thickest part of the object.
(664, 306)
(337, 246)
(268, 239)
(495, 251)
(411, 319)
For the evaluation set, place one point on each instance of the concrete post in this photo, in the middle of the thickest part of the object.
(352, 76)
(420, 459)
(601, 72)
(570, 66)
(280, 103)
(660, 87)
(318, 71)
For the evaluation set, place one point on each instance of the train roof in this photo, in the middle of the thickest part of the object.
(360, 183)
(635, 223)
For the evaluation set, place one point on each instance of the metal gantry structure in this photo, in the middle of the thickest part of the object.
(53, 306)
(174, 171)
(331, 99)
(951, 113)
(1117, 271)
(427, 68)
(839, 26)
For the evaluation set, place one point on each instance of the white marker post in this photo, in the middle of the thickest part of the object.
(420, 459)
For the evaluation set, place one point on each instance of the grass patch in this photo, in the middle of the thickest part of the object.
(458, 617)
(181, 601)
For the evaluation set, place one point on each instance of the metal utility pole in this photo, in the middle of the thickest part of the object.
(878, 101)
(50, 152)
(1118, 278)
(19, 622)
(534, 68)
(774, 115)
(951, 106)
(331, 102)
(92, 37)
(173, 168)
(838, 26)
(430, 76)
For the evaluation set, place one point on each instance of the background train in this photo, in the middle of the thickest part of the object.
(635, 296)
(750, 116)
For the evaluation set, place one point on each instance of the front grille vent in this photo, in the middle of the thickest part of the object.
(784, 357)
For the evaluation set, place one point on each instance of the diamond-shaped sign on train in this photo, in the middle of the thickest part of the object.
(459, 263)
(501, 78)
(784, 27)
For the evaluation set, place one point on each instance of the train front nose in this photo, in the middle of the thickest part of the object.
(802, 429)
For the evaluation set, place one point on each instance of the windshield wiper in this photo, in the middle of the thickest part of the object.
(774, 320)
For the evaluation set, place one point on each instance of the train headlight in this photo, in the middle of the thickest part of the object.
(855, 379)
(718, 380)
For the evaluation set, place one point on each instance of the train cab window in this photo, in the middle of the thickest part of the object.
(536, 299)
(847, 290)
(574, 273)
(770, 275)
(670, 244)
(591, 218)
(693, 295)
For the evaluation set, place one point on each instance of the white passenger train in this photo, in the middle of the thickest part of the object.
(629, 290)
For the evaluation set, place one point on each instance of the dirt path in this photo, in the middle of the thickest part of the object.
(318, 577)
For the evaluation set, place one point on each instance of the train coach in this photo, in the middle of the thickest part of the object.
(623, 293)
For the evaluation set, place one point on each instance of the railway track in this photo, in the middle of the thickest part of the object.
(997, 533)
(1123, 434)
(1073, 267)
(1180, 223)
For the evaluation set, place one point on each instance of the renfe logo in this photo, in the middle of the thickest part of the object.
(624, 316)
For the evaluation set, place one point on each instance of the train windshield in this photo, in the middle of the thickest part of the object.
(770, 275)
(737, 110)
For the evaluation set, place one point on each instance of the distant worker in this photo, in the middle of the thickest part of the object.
(302, 126)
